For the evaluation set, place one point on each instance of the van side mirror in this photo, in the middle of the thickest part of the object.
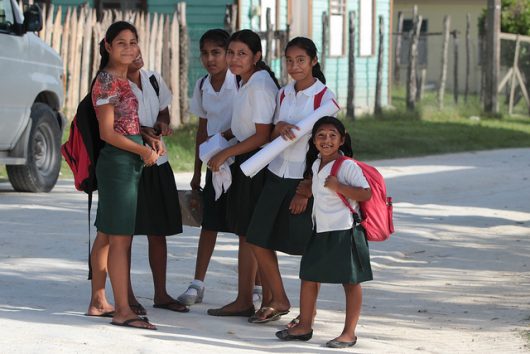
(33, 19)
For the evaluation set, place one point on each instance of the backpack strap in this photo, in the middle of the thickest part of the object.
(201, 84)
(334, 170)
(318, 99)
(282, 96)
(154, 83)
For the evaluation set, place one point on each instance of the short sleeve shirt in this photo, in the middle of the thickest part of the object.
(109, 89)
(329, 212)
(149, 104)
(216, 107)
(294, 107)
(254, 103)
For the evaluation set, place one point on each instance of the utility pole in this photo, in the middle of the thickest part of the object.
(493, 28)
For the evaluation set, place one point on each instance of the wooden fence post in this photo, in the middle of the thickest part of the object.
(269, 37)
(468, 55)
(175, 71)
(325, 30)
(166, 67)
(492, 56)
(379, 81)
(184, 63)
(350, 101)
(230, 21)
(514, 75)
(455, 66)
(397, 54)
(443, 74)
(411, 71)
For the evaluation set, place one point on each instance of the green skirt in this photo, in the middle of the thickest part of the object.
(242, 196)
(272, 225)
(158, 209)
(118, 173)
(337, 257)
(214, 211)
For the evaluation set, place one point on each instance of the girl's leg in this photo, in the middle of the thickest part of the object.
(308, 301)
(354, 299)
(207, 240)
(247, 267)
(98, 260)
(295, 321)
(119, 248)
(273, 291)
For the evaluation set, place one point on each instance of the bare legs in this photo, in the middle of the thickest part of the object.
(207, 240)
(98, 259)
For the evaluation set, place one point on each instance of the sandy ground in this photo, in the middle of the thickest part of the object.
(455, 277)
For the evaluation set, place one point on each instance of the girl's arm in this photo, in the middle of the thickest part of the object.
(284, 129)
(354, 193)
(200, 137)
(107, 134)
(262, 136)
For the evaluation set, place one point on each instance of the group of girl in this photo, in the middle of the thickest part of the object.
(291, 206)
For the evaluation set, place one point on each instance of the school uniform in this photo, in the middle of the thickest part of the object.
(273, 226)
(254, 103)
(216, 108)
(158, 209)
(117, 171)
(338, 250)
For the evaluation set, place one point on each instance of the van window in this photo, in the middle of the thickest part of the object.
(6, 15)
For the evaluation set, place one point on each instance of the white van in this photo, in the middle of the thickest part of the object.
(31, 97)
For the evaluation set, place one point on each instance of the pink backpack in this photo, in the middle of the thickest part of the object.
(376, 213)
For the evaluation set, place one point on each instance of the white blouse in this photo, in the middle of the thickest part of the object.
(214, 106)
(329, 211)
(254, 103)
(295, 107)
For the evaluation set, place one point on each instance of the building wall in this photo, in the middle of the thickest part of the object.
(434, 11)
(336, 68)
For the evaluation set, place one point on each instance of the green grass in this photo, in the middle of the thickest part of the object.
(397, 132)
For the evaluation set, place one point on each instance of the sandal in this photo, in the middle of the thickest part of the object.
(274, 315)
(128, 323)
(173, 305)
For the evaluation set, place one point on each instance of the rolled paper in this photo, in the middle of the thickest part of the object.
(263, 157)
(213, 145)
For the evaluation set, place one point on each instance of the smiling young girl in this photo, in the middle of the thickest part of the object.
(338, 250)
(118, 171)
(282, 218)
(253, 111)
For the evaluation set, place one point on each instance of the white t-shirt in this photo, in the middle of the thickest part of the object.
(254, 103)
(214, 106)
(329, 212)
(149, 104)
(296, 106)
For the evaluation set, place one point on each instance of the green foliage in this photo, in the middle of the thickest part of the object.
(515, 17)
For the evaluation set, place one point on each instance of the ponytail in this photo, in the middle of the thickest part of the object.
(317, 73)
(261, 65)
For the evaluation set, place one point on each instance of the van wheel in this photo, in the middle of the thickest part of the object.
(43, 164)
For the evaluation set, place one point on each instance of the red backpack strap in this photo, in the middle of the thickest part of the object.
(334, 170)
(318, 98)
(282, 96)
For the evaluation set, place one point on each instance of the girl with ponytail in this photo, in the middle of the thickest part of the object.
(118, 171)
(253, 110)
(282, 217)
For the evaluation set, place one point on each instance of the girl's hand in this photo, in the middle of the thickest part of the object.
(149, 156)
(286, 130)
(163, 128)
(159, 147)
(332, 183)
(215, 162)
(298, 204)
(149, 134)
(304, 188)
(195, 183)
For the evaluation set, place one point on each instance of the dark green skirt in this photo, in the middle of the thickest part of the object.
(337, 257)
(272, 225)
(118, 173)
(242, 196)
(158, 209)
(214, 211)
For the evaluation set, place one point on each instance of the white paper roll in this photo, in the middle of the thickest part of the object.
(262, 158)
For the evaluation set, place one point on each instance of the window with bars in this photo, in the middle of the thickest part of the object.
(337, 27)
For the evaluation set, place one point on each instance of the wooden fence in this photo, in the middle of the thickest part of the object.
(163, 40)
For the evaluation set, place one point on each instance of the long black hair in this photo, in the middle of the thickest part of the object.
(218, 36)
(112, 32)
(252, 40)
(312, 152)
(311, 50)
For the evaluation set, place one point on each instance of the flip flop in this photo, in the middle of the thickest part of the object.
(168, 306)
(274, 315)
(108, 314)
(128, 323)
(222, 312)
(138, 309)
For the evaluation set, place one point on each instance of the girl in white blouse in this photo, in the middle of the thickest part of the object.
(282, 218)
(338, 249)
(252, 117)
